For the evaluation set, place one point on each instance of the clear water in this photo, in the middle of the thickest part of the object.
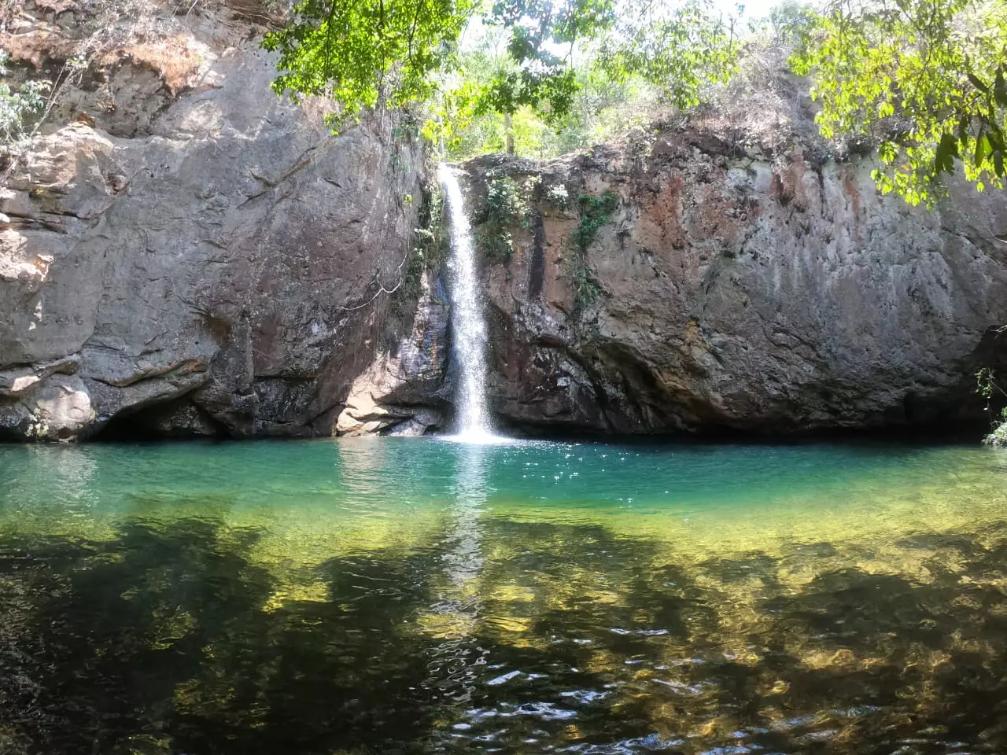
(395, 595)
(468, 326)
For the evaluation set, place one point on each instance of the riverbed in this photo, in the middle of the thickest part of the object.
(404, 595)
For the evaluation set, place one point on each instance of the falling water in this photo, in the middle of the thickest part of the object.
(467, 324)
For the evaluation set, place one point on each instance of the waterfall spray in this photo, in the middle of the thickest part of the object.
(468, 327)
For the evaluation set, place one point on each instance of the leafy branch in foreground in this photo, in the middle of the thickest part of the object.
(366, 52)
(372, 53)
(924, 79)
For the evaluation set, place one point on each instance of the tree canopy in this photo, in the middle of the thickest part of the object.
(533, 56)
(366, 52)
(923, 81)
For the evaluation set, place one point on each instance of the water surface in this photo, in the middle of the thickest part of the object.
(396, 595)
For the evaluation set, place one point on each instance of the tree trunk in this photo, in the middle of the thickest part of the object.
(509, 133)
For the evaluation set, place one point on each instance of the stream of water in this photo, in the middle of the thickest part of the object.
(395, 595)
(468, 325)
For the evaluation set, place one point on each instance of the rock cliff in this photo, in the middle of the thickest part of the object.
(183, 250)
(731, 271)
(693, 281)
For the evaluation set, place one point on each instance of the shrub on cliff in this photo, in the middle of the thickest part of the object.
(998, 437)
(18, 106)
(926, 80)
(990, 389)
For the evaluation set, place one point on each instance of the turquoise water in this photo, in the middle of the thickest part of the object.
(397, 595)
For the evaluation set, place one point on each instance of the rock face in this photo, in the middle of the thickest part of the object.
(729, 272)
(406, 391)
(690, 281)
(184, 251)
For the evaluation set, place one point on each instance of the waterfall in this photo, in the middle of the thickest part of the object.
(468, 328)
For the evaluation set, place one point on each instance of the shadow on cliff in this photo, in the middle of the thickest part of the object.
(173, 638)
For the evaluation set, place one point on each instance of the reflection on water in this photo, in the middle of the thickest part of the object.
(463, 558)
(398, 596)
(453, 617)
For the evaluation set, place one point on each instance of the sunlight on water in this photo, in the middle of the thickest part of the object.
(387, 594)
(478, 438)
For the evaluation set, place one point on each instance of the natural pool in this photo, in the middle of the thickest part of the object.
(395, 595)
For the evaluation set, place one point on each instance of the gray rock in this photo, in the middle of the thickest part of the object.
(184, 253)
(740, 285)
(212, 254)
(405, 390)
(58, 409)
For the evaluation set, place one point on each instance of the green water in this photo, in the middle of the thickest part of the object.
(421, 596)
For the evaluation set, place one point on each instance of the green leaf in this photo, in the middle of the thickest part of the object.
(947, 150)
(1000, 88)
(941, 65)
(977, 82)
(982, 149)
